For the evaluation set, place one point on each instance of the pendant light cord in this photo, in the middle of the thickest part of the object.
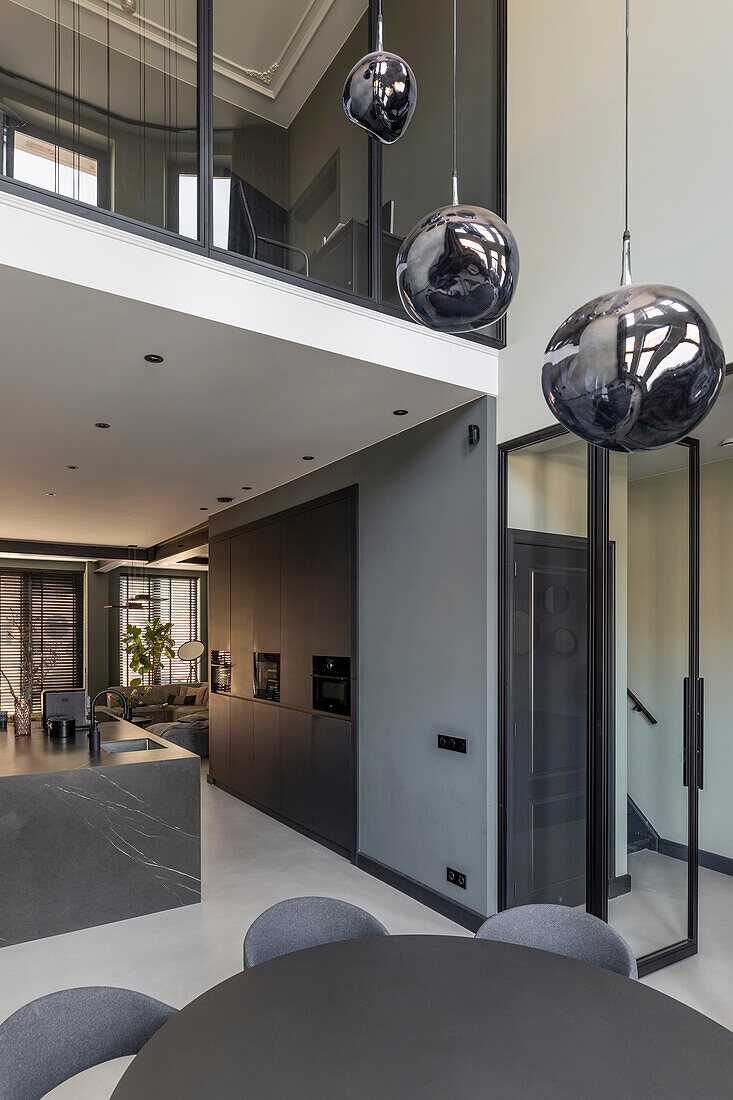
(626, 248)
(380, 36)
(455, 108)
(626, 136)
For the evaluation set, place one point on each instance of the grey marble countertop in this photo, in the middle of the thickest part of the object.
(37, 754)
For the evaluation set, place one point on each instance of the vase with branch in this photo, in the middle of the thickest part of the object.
(35, 664)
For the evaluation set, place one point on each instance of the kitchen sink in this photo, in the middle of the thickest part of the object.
(134, 744)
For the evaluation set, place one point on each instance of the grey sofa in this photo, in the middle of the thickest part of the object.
(157, 707)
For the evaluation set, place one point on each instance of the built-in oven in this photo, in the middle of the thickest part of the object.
(267, 676)
(332, 684)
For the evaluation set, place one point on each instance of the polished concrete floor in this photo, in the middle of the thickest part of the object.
(250, 862)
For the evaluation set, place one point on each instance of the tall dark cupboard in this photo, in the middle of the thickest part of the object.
(286, 586)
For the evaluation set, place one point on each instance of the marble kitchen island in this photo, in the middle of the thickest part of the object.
(88, 840)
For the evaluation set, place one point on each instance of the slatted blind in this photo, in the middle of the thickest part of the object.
(174, 600)
(51, 604)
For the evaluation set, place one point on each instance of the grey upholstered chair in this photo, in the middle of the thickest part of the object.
(306, 922)
(55, 1037)
(564, 931)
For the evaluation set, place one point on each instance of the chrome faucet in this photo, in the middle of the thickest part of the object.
(93, 735)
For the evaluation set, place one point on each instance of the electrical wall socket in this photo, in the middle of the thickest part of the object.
(456, 878)
(453, 744)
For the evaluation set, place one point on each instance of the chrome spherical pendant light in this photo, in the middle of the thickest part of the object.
(380, 92)
(637, 368)
(458, 268)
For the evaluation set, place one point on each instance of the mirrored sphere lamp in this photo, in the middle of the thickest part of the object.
(634, 369)
(457, 269)
(380, 94)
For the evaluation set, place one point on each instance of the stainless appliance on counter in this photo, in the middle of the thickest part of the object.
(71, 704)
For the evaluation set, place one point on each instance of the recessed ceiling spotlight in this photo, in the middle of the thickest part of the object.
(246, 488)
(101, 424)
(400, 412)
(307, 458)
(50, 494)
(203, 509)
(151, 358)
(225, 500)
(72, 467)
(727, 442)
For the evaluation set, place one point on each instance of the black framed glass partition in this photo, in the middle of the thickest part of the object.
(545, 675)
(218, 126)
(600, 693)
(291, 176)
(98, 104)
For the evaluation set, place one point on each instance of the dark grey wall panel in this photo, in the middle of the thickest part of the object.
(241, 776)
(296, 611)
(427, 655)
(219, 737)
(266, 753)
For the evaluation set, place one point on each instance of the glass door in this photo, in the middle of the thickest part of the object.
(655, 726)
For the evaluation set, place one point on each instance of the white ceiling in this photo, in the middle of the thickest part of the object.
(268, 57)
(227, 408)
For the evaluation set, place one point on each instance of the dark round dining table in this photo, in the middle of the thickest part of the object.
(431, 1016)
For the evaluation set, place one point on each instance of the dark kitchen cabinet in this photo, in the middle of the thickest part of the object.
(242, 566)
(218, 595)
(296, 783)
(242, 747)
(265, 557)
(296, 609)
(266, 755)
(219, 738)
(331, 763)
(332, 578)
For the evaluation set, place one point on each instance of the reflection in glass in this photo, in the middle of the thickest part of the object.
(417, 168)
(98, 104)
(546, 731)
(649, 525)
(290, 171)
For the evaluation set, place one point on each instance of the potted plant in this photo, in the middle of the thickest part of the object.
(147, 647)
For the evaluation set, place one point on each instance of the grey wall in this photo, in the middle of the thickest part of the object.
(565, 147)
(427, 644)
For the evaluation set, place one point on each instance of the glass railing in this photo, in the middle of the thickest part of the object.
(124, 108)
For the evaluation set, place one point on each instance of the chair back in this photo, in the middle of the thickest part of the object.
(55, 1037)
(565, 931)
(306, 922)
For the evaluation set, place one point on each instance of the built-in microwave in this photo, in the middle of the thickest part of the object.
(332, 684)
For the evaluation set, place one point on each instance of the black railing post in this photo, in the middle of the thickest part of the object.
(597, 862)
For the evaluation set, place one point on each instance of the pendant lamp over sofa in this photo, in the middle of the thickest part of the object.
(638, 367)
(380, 92)
(457, 269)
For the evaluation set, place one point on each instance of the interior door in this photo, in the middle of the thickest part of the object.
(547, 719)
(654, 793)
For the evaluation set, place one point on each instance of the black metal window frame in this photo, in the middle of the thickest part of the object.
(205, 246)
(600, 686)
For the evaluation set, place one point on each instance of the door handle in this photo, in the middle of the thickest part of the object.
(700, 728)
(685, 729)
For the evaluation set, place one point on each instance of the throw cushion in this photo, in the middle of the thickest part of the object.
(201, 695)
(172, 700)
(189, 701)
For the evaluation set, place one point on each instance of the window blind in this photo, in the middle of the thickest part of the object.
(50, 605)
(174, 600)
